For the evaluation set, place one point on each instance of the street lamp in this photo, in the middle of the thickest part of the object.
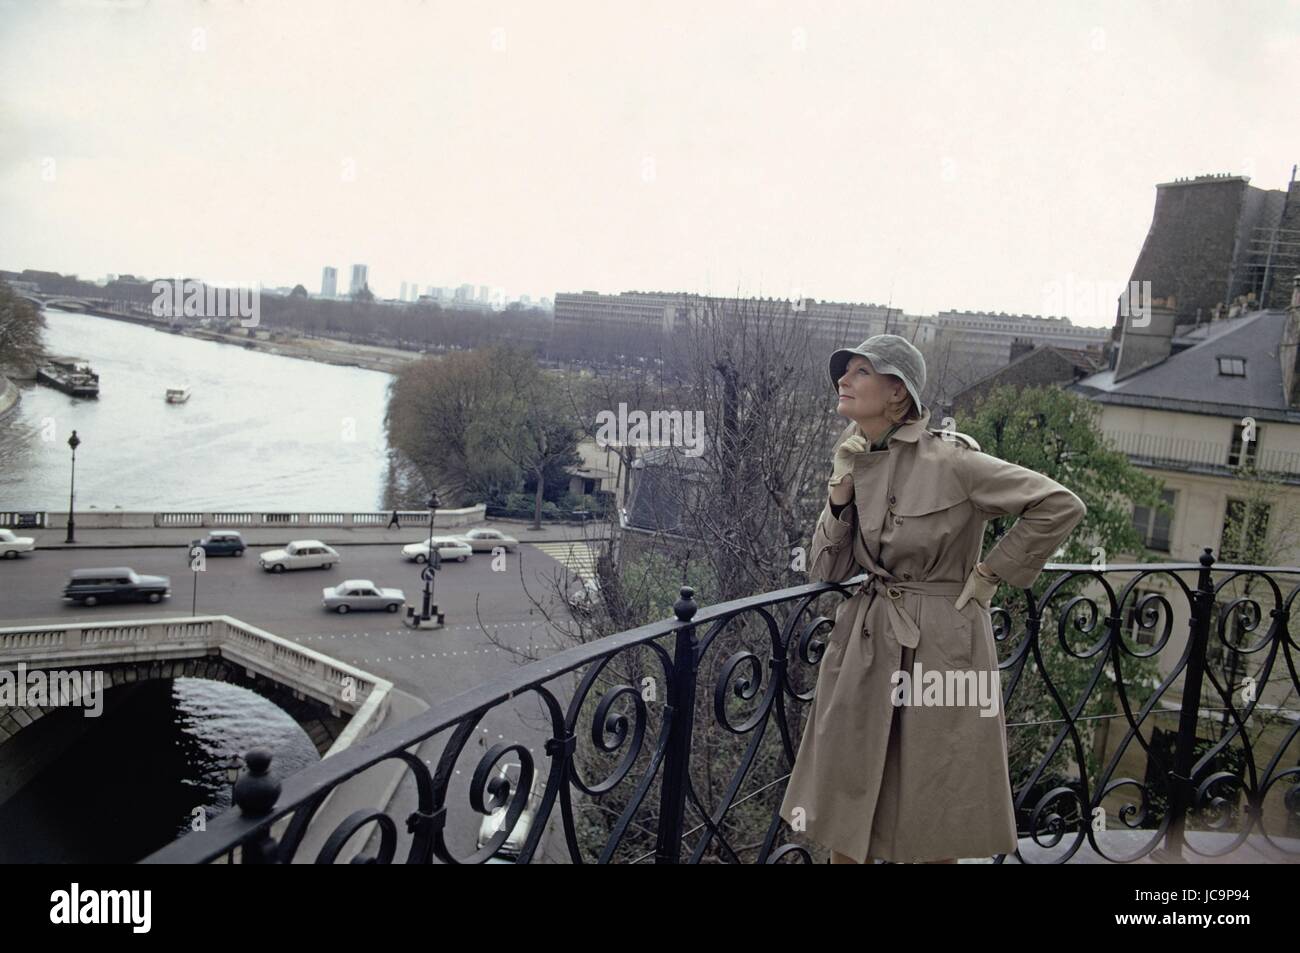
(73, 442)
(429, 569)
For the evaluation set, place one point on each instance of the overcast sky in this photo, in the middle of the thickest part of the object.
(980, 156)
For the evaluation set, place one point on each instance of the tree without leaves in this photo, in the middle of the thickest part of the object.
(436, 421)
(527, 422)
(21, 327)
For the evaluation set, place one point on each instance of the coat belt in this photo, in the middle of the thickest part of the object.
(903, 625)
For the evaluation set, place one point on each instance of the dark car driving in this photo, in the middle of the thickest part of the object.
(115, 584)
(221, 542)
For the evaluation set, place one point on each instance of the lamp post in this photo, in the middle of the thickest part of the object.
(433, 554)
(73, 442)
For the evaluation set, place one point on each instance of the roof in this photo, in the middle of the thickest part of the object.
(358, 584)
(1087, 361)
(1189, 379)
(107, 571)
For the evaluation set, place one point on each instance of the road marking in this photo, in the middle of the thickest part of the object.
(578, 558)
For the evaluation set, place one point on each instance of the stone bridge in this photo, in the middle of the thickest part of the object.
(335, 703)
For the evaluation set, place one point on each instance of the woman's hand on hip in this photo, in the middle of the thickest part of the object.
(980, 587)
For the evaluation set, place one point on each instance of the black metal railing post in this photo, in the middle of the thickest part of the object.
(1182, 787)
(680, 713)
(255, 795)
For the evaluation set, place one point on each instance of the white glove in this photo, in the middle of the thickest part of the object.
(845, 453)
(979, 588)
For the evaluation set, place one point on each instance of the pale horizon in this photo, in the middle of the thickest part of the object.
(939, 157)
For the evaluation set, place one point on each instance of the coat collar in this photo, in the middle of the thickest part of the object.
(909, 432)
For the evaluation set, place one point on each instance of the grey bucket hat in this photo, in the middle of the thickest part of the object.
(888, 354)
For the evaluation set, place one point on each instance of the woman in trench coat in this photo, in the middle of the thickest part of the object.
(884, 772)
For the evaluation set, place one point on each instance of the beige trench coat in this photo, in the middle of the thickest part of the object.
(908, 783)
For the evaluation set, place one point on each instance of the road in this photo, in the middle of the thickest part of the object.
(485, 608)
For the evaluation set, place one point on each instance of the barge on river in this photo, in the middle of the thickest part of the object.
(67, 375)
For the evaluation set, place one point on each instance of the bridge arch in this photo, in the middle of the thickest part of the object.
(321, 725)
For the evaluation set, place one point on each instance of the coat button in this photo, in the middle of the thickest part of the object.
(907, 575)
(898, 521)
(893, 500)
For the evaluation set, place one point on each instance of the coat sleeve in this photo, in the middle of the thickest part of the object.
(831, 558)
(1047, 511)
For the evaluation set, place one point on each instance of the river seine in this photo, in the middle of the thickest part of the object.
(260, 431)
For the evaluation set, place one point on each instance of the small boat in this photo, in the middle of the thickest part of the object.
(178, 395)
(67, 375)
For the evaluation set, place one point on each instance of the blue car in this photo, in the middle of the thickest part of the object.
(221, 542)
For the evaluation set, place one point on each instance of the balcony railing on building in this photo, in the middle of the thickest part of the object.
(1151, 710)
(1206, 456)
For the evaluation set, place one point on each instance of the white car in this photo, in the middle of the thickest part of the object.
(448, 548)
(486, 540)
(361, 594)
(586, 599)
(11, 545)
(300, 554)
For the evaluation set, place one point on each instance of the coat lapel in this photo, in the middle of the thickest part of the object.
(873, 484)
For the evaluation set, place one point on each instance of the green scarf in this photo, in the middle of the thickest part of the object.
(883, 441)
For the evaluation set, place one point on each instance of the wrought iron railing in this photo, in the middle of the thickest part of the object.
(696, 773)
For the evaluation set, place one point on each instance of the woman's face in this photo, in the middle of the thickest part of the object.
(864, 394)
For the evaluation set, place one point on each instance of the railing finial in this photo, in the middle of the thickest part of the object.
(686, 607)
(258, 790)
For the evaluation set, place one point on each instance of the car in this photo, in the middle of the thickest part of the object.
(486, 540)
(221, 542)
(361, 594)
(300, 554)
(11, 545)
(449, 547)
(115, 584)
(493, 823)
(586, 599)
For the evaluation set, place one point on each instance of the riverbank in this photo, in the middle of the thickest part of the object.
(322, 350)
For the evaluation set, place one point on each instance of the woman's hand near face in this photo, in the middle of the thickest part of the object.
(842, 466)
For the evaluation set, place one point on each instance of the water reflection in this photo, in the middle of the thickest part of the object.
(125, 784)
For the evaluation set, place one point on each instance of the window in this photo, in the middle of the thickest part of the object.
(1242, 452)
(1153, 525)
(1232, 366)
(1245, 529)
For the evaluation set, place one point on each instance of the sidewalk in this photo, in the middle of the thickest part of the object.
(166, 537)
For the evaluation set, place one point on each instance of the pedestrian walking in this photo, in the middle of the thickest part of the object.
(874, 779)
(394, 522)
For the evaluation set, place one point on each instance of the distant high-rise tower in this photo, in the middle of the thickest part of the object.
(484, 293)
(329, 279)
(360, 277)
(403, 295)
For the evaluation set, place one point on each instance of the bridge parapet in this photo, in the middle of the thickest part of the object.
(343, 688)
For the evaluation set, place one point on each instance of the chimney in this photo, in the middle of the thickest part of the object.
(1146, 340)
(1289, 351)
(1021, 347)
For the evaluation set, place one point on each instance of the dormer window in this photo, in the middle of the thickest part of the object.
(1232, 366)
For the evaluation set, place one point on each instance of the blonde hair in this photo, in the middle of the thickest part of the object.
(908, 407)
